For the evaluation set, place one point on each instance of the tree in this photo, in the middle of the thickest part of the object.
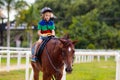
(30, 17)
(8, 4)
(21, 5)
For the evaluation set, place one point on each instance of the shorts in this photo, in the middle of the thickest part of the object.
(42, 38)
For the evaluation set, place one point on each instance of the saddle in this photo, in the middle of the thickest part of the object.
(42, 46)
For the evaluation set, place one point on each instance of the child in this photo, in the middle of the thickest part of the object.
(45, 28)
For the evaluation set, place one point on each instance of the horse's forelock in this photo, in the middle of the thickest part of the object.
(66, 42)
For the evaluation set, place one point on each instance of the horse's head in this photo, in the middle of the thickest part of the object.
(68, 51)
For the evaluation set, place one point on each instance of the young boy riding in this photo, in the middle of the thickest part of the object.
(46, 28)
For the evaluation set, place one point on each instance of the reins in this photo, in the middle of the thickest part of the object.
(51, 61)
(57, 70)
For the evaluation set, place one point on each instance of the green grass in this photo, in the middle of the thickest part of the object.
(13, 75)
(93, 71)
(103, 70)
(13, 61)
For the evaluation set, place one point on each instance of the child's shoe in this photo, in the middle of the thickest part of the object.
(34, 59)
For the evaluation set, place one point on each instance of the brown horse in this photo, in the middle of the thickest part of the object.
(58, 51)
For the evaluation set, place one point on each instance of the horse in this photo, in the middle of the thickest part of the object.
(57, 53)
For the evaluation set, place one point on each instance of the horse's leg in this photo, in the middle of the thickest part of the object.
(36, 75)
(47, 76)
(58, 76)
(35, 70)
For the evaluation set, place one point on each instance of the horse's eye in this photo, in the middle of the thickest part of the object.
(73, 51)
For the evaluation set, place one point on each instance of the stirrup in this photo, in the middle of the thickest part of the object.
(34, 59)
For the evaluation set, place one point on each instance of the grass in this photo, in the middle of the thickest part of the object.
(103, 70)
(93, 71)
(13, 75)
(13, 61)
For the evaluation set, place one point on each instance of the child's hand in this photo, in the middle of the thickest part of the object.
(49, 34)
(44, 35)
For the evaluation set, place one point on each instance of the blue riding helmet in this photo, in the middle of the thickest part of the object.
(45, 9)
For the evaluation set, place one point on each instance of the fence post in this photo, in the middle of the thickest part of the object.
(19, 60)
(0, 60)
(88, 58)
(31, 75)
(27, 67)
(92, 58)
(82, 58)
(64, 74)
(77, 59)
(8, 61)
(118, 67)
(106, 58)
(98, 58)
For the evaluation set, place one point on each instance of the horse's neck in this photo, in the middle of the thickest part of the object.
(57, 52)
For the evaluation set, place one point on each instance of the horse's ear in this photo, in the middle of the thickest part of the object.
(67, 36)
(74, 42)
(63, 40)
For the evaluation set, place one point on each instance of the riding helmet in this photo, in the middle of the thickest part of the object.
(45, 9)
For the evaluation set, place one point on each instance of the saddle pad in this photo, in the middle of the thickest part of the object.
(40, 50)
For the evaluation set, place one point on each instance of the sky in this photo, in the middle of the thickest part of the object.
(30, 1)
(12, 12)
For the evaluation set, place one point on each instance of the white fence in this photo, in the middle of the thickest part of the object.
(88, 56)
(81, 56)
(19, 52)
(10, 51)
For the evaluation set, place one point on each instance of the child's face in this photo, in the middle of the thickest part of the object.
(47, 16)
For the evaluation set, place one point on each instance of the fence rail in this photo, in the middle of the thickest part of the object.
(13, 48)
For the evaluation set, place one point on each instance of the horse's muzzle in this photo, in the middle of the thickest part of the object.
(68, 69)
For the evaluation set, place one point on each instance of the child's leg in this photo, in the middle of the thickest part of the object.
(37, 45)
(35, 51)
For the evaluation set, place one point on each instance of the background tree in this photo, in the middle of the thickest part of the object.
(30, 17)
(11, 5)
(8, 4)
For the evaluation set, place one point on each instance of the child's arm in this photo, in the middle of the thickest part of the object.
(53, 32)
(39, 32)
